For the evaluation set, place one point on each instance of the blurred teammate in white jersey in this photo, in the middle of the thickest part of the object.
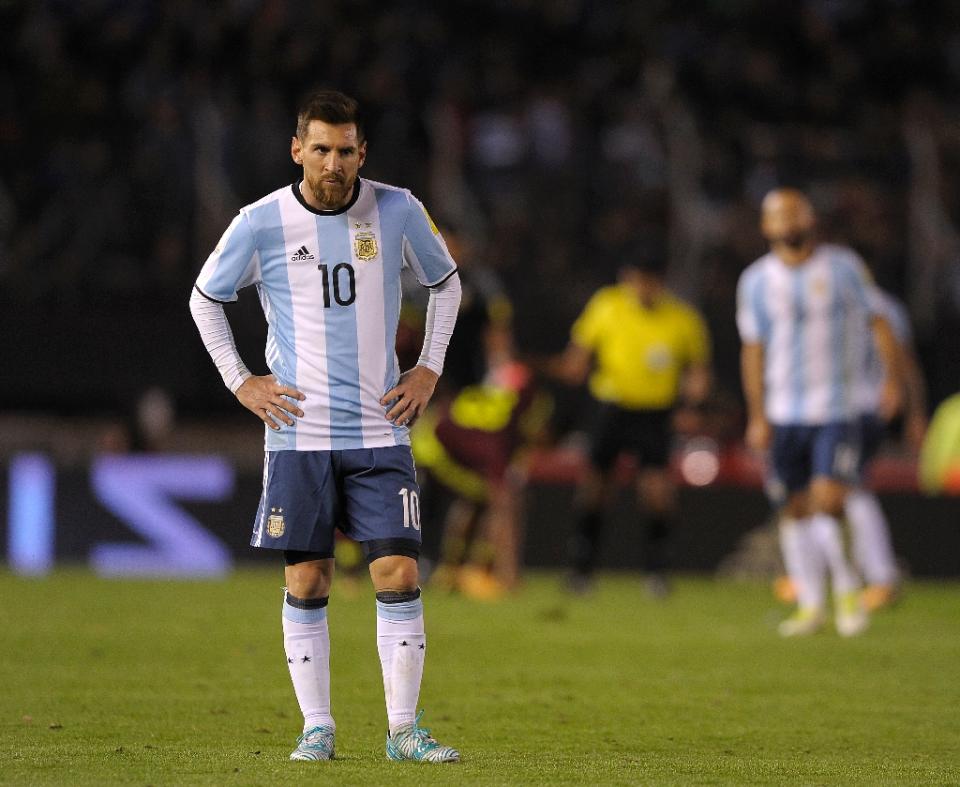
(325, 255)
(870, 533)
(807, 317)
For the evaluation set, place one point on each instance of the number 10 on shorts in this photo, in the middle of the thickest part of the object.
(411, 508)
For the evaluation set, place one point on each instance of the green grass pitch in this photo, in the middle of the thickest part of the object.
(175, 683)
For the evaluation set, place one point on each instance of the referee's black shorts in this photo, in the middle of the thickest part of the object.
(643, 433)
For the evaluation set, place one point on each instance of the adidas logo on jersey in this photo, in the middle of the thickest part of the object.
(303, 253)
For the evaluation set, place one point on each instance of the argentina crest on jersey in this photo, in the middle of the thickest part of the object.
(364, 242)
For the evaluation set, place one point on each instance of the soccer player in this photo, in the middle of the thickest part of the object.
(650, 352)
(807, 316)
(870, 533)
(325, 255)
(474, 446)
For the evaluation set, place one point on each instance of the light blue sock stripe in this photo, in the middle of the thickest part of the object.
(304, 615)
(405, 610)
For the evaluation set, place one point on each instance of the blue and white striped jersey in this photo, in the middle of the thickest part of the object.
(329, 285)
(814, 322)
(898, 318)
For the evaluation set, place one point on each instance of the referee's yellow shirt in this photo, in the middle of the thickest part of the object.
(640, 352)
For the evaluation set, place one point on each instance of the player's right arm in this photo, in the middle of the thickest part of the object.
(750, 324)
(573, 365)
(232, 265)
(751, 371)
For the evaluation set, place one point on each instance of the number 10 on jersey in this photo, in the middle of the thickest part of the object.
(344, 287)
(411, 508)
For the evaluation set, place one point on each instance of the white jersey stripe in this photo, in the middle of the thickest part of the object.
(302, 253)
(343, 366)
(364, 225)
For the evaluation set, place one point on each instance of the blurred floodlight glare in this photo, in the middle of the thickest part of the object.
(700, 462)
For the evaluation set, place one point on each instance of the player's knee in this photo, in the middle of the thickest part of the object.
(656, 492)
(593, 490)
(394, 573)
(827, 496)
(307, 575)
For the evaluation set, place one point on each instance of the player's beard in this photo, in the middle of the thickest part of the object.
(798, 240)
(331, 193)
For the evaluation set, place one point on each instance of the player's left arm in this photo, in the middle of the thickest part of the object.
(915, 386)
(866, 292)
(411, 395)
(426, 253)
(891, 395)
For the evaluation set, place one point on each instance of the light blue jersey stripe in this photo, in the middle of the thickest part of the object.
(759, 301)
(838, 341)
(340, 326)
(266, 224)
(391, 206)
(233, 263)
(797, 383)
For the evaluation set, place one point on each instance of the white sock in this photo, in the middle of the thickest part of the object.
(872, 549)
(826, 532)
(803, 561)
(401, 643)
(306, 640)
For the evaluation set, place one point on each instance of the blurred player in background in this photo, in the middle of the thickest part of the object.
(325, 255)
(649, 352)
(807, 317)
(475, 446)
(472, 441)
(870, 533)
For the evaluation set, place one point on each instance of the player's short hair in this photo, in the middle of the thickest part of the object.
(330, 106)
(648, 257)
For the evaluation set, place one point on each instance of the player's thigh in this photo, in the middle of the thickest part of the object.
(299, 508)
(835, 452)
(381, 500)
(836, 465)
(650, 432)
(608, 437)
(790, 468)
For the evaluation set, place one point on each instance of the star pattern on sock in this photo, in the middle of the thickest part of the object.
(422, 645)
(289, 660)
(404, 644)
(305, 659)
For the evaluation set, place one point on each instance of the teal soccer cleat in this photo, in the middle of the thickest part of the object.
(315, 744)
(414, 743)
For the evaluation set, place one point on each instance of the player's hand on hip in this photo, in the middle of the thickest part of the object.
(759, 433)
(269, 400)
(409, 398)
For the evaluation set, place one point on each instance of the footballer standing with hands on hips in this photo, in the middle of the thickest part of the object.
(325, 255)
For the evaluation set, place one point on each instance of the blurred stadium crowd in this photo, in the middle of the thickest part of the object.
(560, 134)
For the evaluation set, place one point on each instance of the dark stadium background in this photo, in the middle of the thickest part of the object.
(559, 134)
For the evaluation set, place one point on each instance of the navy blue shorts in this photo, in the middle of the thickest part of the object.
(872, 432)
(801, 453)
(370, 494)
